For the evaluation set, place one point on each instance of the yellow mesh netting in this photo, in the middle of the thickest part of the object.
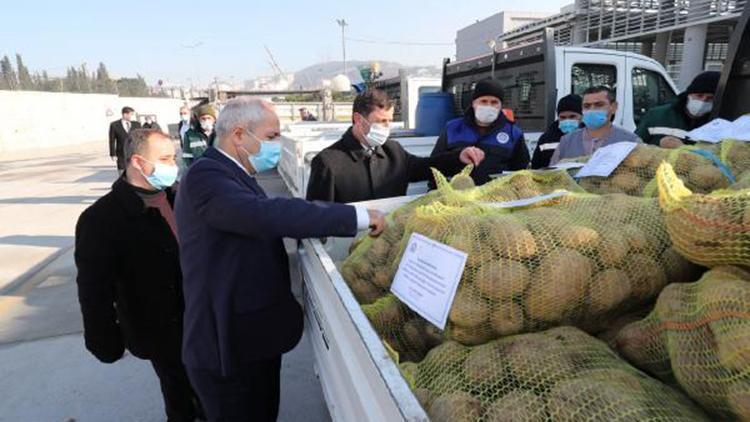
(558, 375)
(711, 229)
(636, 174)
(698, 336)
(373, 262)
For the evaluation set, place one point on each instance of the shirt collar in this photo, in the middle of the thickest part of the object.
(234, 160)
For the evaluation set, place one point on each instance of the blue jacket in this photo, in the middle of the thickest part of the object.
(504, 145)
(239, 307)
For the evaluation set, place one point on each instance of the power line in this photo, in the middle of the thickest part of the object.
(371, 41)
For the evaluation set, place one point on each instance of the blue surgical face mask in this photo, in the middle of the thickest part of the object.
(267, 157)
(594, 119)
(568, 125)
(163, 175)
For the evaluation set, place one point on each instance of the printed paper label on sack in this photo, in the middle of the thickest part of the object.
(606, 159)
(427, 278)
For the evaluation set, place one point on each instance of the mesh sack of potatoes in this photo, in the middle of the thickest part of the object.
(708, 229)
(637, 173)
(581, 260)
(372, 262)
(698, 337)
(561, 374)
(742, 182)
(736, 155)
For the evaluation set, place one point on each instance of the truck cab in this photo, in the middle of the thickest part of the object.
(536, 76)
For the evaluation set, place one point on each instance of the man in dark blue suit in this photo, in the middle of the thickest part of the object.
(240, 314)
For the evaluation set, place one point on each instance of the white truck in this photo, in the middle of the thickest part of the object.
(360, 381)
(535, 77)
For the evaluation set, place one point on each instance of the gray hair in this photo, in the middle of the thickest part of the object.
(138, 141)
(245, 112)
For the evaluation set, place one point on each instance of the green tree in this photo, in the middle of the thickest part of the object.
(104, 83)
(132, 87)
(25, 82)
(8, 78)
(84, 80)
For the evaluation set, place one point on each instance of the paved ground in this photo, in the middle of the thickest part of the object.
(45, 372)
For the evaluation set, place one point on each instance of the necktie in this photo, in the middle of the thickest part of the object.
(127, 126)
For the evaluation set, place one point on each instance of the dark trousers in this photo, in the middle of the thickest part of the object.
(180, 401)
(250, 394)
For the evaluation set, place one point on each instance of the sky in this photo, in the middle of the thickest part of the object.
(183, 42)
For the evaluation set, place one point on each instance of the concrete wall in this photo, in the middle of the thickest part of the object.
(471, 41)
(31, 120)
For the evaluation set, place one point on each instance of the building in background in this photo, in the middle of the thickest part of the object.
(472, 40)
(686, 36)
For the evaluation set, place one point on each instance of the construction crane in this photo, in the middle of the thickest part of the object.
(272, 61)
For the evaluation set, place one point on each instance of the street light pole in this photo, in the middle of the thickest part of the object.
(492, 44)
(342, 23)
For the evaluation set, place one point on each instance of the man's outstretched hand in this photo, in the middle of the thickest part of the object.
(377, 222)
(472, 155)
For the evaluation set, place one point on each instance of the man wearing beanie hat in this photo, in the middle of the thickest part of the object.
(667, 125)
(569, 113)
(486, 127)
(200, 136)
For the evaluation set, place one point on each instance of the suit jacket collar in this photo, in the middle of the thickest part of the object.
(127, 197)
(351, 145)
(241, 174)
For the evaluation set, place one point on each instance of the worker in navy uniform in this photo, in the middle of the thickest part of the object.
(240, 313)
(486, 127)
(569, 114)
(365, 164)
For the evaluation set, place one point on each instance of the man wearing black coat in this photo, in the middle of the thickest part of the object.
(364, 164)
(119, 131)
(129, 278)
(569, 114)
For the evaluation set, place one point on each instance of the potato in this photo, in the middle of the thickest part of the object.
(456, 407)
(478, 252)
(627, 182)
(424, 396)
(445, 357)
(470, 336)
(377, 255)
(518, 405)
(608, 290)
(647, 277)
(469, 308)
(413, 337)
(635, 237)
(364, 291)
(587, 399)
(502, 279)
(558, 286)
(443, 382)
(462, 182)
(386, 314)
(733, 346)
(382, 278)
(535, 361)
(579, 237)
(612, 249)
(707, 178)
(644, 348)
(640, 157)
(507, 318)
(484, 365)
(512, 239)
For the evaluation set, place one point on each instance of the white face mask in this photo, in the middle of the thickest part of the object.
(699, 108)
(486, 114)
(207, 125)
(184, 117)
(377, 135)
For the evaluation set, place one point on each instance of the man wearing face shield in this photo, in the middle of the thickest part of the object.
(364, 164)
(129, 278)
(668, 124)
(599, 108)
(485, 127)
(200, 136)
(240, 313)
